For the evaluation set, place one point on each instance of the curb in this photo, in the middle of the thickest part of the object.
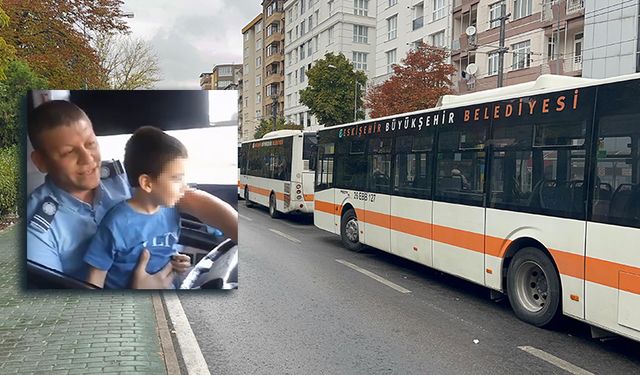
(168, 350)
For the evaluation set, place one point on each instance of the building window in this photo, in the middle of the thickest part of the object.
(246, 37)
(289, 79)
(310, 22)
(302, 75)
(495, 12)
(289, 35)
(309, 47)
(330, 33)
(258, 114)
(521, 55)
(258, 44)
(258, 61)
(360, 60)
(493, 63)
(360, 34)
(577, 48)
(330, 3)
(521, 8)
(258, 98)
(438, 9)
(551, 47)
(259, 27)
(224, 71)
(392, 27)
(258, 80)
(289, 100)
(437, 39)
(361, 7)
(302, 7)
(391, 60)
(416, 44)
(302, 28)
(302, 55)
(392, 2)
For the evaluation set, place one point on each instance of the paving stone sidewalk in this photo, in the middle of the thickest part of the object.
(72, 332)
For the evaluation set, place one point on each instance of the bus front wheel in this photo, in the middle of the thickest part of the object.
(349, 231)
(273, 210)
(533, 287)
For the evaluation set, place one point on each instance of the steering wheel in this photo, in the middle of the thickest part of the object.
(217, 270)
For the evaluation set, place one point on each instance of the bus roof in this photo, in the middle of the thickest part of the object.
(543, 84)
(281, 134)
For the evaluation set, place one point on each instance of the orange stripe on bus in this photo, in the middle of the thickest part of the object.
(279, 196)
(308, 197)
(265, 192)
(329, 208)
(459, 238)
(413, 227)
(613, 274)
(569, 264)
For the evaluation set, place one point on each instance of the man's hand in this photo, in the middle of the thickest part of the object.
(211, 210)
(163, 279)
(180, 262)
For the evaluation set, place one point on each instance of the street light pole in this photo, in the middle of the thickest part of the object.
(355, 99)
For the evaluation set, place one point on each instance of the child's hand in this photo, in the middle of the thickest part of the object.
(180, 262)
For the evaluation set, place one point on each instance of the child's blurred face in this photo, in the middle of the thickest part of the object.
(169, 186)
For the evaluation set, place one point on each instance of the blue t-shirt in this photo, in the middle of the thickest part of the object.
(124, 233)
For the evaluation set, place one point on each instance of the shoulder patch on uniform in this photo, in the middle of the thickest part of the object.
(110, 169)
(42, 219)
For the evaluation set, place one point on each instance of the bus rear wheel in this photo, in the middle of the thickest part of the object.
(247, 202)
(349, 231)
(533, 286)
(273, 210)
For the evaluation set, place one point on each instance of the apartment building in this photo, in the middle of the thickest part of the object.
(401, 25)
(273, 58)
(314, 28)
(223, 75)
(541, 37)
(611, 38)
(252, 85)
(205, 81)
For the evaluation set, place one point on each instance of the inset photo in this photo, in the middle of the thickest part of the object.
(131, 189)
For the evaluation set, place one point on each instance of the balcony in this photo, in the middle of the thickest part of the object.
(418, 23)
(574, 6)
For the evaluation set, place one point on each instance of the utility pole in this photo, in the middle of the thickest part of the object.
(502, 50)
(355, 98)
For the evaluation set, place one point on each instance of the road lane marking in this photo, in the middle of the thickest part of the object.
(561, 363)
(374, 276)
(191, 354)
(245, 217)
(292, 239)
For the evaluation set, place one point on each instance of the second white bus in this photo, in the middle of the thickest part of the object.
(277, 171)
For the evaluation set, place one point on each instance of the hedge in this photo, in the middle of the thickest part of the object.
(9, 180)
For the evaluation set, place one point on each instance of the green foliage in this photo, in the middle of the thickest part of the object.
(332, 90)
(7, 51)
(266, 126)
(9, 179)
(13, 89)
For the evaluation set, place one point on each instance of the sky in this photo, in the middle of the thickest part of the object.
(191, 36)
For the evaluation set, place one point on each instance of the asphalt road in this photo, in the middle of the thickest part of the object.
(303, 308)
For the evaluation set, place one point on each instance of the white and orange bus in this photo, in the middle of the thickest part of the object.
(277, 171)
(531, 190)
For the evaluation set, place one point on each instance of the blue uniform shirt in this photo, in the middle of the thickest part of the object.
(60, 226)
(124, 233)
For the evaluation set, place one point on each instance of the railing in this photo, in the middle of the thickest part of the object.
(573, 64)
(418, 23)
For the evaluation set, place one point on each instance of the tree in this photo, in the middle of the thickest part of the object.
(19, 79)
(266, 126)
(417, 83)
(332, 89)
(128, 63)
(7, 52)
(53, 37)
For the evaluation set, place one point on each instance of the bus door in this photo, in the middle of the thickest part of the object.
(377, 200)
(458, 213)
(411, 204)
(612, 272)
(325, 214)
